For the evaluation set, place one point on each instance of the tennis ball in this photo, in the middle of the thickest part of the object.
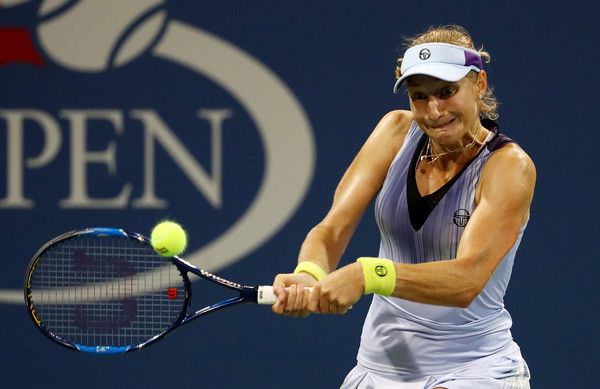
(168, 239)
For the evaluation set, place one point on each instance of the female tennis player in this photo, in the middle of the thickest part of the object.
(452, 198)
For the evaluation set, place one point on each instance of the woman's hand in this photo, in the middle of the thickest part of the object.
(292, 291)
(339, 291)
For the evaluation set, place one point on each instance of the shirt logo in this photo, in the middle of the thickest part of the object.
(461, 217)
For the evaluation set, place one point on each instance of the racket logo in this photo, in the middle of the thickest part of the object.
(172, 293)
(106, 316)
(90, 267)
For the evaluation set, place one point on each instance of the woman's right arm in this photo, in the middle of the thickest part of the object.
(326, 243)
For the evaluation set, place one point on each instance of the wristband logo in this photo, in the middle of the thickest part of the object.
(381, 271)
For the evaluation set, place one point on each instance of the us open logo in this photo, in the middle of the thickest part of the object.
(92, 40)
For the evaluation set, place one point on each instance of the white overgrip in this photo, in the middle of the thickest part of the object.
(266, 296)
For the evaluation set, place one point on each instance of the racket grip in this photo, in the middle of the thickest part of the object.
(266, 296)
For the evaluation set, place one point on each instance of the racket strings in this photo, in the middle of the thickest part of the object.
(106, 291)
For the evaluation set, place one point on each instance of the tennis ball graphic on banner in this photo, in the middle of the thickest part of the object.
(89, 36)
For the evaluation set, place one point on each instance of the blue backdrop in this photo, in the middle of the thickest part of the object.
(237, 119)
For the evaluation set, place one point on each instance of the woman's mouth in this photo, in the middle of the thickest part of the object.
(443, 125)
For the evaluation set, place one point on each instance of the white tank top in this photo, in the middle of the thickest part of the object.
(413, 339)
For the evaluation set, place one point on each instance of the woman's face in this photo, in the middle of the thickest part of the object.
(445, 111)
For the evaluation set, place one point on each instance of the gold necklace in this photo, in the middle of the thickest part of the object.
(434, 157)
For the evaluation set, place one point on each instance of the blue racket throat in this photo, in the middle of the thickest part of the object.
(106, 291)
(102, 349)
(101, 231)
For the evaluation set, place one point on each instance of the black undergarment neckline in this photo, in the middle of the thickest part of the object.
(420, 207)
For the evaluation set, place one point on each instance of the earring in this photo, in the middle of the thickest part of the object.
(480, 97)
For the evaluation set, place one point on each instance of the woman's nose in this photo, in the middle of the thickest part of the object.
(434, 108)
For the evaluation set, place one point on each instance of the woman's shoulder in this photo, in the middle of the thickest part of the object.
(510, 162)
(385, 140)
(399, 119)
(511, 153)
(393, 127)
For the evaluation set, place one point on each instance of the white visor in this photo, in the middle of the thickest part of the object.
(440, 60)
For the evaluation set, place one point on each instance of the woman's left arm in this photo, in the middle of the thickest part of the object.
(503, 199)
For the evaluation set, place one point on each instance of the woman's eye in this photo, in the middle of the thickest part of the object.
(419, 96)
(447, 92)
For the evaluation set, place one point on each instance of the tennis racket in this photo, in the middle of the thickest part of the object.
(105, 291)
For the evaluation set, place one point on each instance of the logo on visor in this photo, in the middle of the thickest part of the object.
(424, 54)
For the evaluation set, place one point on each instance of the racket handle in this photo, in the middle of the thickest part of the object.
(266, 295)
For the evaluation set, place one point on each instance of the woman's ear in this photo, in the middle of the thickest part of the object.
(481, 83)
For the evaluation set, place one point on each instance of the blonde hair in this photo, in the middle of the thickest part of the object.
(457, 35)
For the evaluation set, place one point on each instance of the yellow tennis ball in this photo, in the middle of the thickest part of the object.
(168, 239)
